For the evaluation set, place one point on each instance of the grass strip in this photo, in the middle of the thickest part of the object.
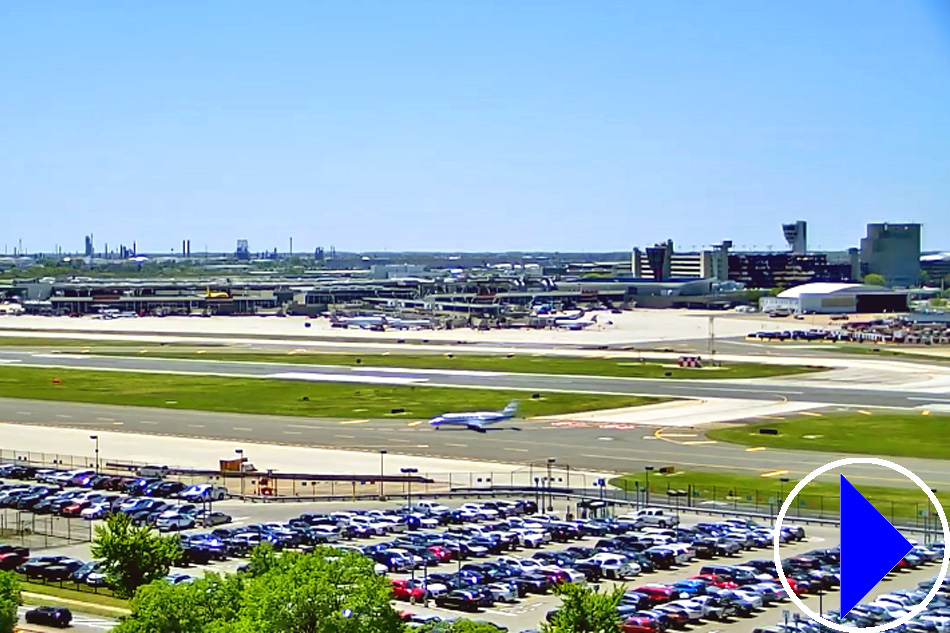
(873, 432)
(712, 489)
(287, 397)
(111, 605)
(624, 367)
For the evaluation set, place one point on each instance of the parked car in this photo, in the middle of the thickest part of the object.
(59, 617)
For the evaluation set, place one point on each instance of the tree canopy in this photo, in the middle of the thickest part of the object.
(327, 591)
(585, 610)
(133, 556)
(9, 601)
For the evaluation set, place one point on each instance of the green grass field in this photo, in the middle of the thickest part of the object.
(820, 495)
(107, 605)
(909, 434)
(615, 367)
(286, 397)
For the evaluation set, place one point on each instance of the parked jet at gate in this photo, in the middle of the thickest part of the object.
(479, 421)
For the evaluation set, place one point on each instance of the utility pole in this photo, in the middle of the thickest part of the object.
(382, 489)
(95, 438)
(647, 470)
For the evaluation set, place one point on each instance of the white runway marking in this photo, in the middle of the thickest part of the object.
(147, 422)
(64, 416)
(314, 377)
(242, 428)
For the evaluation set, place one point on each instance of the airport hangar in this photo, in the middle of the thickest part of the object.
(831, 298)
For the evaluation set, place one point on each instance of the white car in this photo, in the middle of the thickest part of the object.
(942, 622)
(898, 599)
(693, 610)
(524, 564)
(531, 538)
(574, 576)
(893, 610)
(174, 521)
(376, 527)
(749, 597)
(614, 566)
(658, 517)
(480, 511)
(96, 511)
(503, 592)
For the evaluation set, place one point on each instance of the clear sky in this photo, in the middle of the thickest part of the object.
(464, 125)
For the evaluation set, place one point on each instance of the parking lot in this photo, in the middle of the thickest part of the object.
(503, 552)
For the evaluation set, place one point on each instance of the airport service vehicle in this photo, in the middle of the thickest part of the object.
(59, 617)
(204, 492)
(478, 421)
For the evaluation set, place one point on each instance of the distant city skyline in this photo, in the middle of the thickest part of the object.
(471, 126)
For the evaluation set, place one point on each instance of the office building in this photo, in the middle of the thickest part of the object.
(892, 251)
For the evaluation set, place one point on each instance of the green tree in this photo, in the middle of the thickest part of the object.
(134, 556)
(9, 601)
(874, 279)
(195, 607)
(327, 591)
(584, 610)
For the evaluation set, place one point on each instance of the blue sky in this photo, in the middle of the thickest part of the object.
(454, 125)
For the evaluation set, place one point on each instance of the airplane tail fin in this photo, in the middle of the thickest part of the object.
(511, 409)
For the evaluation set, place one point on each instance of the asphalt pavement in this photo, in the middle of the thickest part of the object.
(592, 447)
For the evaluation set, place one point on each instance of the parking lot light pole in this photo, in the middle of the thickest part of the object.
(95, 438)
(382, 490)
(240, 454)
(781, 490)
(647, 470)
(551, 461)
(409, 471)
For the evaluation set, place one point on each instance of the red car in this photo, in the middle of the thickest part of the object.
(641, 625)
(715, 581)
(75, 509)
(408, 589)
(791, 583)
(12, 556)
(658, 594)
(444, 554)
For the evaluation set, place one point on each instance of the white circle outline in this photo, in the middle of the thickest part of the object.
(787, 505)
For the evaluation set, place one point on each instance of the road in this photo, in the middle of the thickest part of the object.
(828, 392)
(590, 448)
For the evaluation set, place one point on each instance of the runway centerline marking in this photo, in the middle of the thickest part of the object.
(64, 416)
(242, 428)
(24, 413)
(197, 426)
(457, 445)
(516, 450)
(147, 422)
(106, 419)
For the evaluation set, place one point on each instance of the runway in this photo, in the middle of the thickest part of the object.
(591, 448)
(827, 392)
